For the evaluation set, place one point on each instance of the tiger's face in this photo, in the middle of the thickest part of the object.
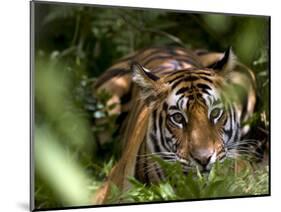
(193, 125)
(191, 120)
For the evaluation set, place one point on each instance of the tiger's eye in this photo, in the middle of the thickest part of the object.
(177, 118)
(215, 113)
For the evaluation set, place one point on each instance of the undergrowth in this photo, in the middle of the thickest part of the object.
(221, 181)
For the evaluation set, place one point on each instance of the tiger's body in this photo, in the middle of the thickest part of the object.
(184, 107)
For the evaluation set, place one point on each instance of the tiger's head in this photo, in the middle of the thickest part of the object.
(193, 118)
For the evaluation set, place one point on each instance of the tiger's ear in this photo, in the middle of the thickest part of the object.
(151, 86)
(226, 63)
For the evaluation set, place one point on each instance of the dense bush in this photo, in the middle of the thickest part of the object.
(222, 181)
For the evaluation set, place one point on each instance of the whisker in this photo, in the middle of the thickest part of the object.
(165, 157)
(156, 153)
(244, 151)
(246, 148)
(155, 166)
(240, 143)
(235, 153)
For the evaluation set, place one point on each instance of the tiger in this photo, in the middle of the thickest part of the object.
(185, 106)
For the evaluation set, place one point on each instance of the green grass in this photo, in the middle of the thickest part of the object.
(222, 181)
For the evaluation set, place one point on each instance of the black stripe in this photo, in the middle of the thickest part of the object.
(173, 107)
(224, 122)
(170, 131)
(178, 104)
(228, 133)
(203, 86)
(151, 76)
(188, 71)
(236, 135)
(206, 79)
(181, 103)
(190, 61)
(154, 121)
(165, 106)
(182, 90)
(186, 79)
(205, 91)
(137, 168)
(200, 72)
(154, 142)
(174, 79)
(146, 177)
(126, 98)
(196, 71)
(179, 99)
(158, 172)
(162, 140)
(161, 69)
(231, 117)
(199, 96)
(169, 142)
(222, 62)
(160, 120)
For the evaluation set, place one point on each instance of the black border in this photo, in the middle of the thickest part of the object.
(149, 203)
(269, 104)
(32, 114)
(32, 110)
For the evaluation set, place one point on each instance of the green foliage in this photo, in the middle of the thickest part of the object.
(222, 181)
(262, 65)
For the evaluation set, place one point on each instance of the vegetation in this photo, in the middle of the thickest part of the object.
(74, 44)
(222, 181)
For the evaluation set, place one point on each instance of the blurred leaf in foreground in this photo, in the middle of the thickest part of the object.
(63, 175)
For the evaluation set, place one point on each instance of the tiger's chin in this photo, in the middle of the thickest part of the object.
(195, 167)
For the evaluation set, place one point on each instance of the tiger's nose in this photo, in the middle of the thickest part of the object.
(203, 157)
